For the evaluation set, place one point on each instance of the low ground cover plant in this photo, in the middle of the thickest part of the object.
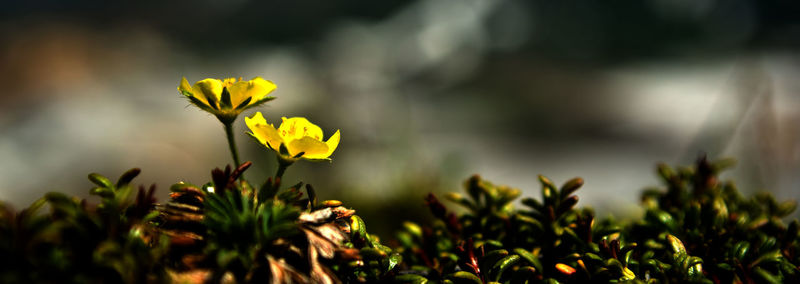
(695, 227)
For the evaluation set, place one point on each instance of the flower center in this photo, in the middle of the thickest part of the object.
(292, 132)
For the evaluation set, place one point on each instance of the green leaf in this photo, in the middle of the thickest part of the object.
(678, 249)
(786, 208)
(529, 257)
(358, 230)
(571, 186)
(740, 250)
(533, 203)
(102, 192)
(501, 266)
(413, 229)
(725, 266)
(372, 254)
(766, 276)
(548, 190)
(666, 172)
(723, 164)
(523, 275)
(656, 216)
(474, 188)
(393, 261)
(492, 257)
(464, 277)
(768, 257)
(566, 205)
(410, 279)
(458, 198)
(100, 180)
(127, 177)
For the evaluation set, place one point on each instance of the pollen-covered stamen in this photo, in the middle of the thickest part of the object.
(229, 82)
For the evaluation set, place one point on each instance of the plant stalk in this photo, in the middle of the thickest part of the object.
(282, 165)
(232, 145)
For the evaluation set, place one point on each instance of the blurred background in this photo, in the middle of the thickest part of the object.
(425, 93)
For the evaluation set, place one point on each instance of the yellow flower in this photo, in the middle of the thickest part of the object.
(295, 138)
(227, 98)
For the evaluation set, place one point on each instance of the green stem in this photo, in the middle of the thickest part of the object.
(268, 190)
(282, 165)
(232, 145)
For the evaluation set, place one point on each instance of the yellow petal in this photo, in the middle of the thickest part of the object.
(307, 145)
(187, 89)
(297, 128)
(256, 119)
(255, 89)
(184, 86)
(267, 135)
(207, 88)
(263, 131)
(332, 143)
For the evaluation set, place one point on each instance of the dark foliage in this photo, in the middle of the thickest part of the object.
(694, 229)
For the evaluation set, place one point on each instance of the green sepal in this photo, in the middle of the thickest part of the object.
(283, 150)
(258, 103)
(244, 103)
(225, 99)
(312, 196)
(212, 101)
(198, 103)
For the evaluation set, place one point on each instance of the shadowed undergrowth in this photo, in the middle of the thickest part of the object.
(695, 228)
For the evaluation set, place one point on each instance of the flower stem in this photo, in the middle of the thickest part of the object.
(282, 165)
(272, 185)
(232, 145)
